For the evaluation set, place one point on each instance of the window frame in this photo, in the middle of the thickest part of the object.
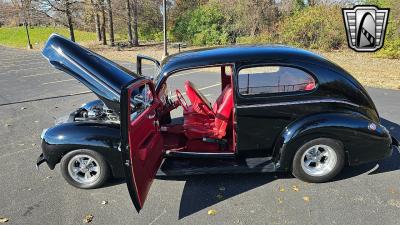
(146, 104)
(275, 94)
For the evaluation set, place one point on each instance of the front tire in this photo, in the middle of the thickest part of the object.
(318, 160)
(85, 169)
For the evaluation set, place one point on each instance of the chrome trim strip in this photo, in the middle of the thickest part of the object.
(298, 103)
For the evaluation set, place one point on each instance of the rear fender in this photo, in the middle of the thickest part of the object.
(353, 130)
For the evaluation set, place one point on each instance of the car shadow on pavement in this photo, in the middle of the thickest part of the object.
(203, 191)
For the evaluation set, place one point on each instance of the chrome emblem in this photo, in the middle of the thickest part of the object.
(365, 27)
(372, 126)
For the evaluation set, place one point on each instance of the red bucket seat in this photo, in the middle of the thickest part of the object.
(203, 121)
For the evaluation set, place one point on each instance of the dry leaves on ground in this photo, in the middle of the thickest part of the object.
(295, 188)
(3, 220)
(306, 198)
(212, 212)
(88, 218)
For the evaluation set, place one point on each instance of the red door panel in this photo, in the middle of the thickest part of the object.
(141, 143)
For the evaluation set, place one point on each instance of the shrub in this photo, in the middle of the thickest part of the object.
(201, 26)
(314, 27)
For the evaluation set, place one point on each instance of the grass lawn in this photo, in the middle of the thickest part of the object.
(16, 36)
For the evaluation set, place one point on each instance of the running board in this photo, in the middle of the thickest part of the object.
(180, 167)
(199, 155)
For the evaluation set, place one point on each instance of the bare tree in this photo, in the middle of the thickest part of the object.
(69, 19)
(95, 8)
(135, 40)
(103, 22)
(129, 19)
(110, 22)
(53, 9)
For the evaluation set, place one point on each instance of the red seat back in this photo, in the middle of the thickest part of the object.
(199, 103)
(223, 113)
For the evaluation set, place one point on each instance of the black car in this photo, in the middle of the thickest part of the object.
(280, 109)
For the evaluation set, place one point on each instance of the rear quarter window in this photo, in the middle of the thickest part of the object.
(274, 79)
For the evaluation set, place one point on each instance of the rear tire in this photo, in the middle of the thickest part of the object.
(85, 169)
(318, 160)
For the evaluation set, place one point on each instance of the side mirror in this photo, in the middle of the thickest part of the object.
(139, 60)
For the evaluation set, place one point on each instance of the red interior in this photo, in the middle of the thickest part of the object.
(203, 121)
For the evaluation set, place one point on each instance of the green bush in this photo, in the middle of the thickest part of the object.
(201, 26)
(391, 49)
(314, 27)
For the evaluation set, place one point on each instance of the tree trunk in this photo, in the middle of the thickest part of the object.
(135, 40)
(69, 19)
(110, 22)
(103, 24)
(128, 14)
(96, 20)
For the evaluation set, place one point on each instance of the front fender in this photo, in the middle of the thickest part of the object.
(100, 137)
(362, 139)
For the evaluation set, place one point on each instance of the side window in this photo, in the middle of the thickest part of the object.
(141, 99)
(274, 79)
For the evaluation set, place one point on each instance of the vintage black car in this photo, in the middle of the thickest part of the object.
(280, 109)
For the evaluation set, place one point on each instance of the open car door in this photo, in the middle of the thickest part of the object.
(141, 140)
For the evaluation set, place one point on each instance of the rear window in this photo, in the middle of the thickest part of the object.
(274, 79)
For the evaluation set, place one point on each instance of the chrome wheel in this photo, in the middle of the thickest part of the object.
(318, 160)
(84, 169)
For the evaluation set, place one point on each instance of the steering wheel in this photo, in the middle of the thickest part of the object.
(182, 100)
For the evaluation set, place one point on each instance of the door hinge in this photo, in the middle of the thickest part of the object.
(127, 163)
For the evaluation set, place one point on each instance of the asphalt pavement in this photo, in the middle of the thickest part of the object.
(33, 95)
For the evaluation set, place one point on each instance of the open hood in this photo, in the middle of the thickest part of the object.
(102, 76)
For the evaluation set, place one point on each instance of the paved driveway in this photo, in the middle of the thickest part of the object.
(368, 194)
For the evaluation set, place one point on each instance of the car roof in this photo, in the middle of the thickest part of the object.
(236, 54)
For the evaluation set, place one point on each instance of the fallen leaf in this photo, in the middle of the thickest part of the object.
(281, 189)
(7, 125)
(23, 108)
(222, 188)
(280, 201)
(295, 188)
(104, 202)
(212, 212)
(88, 218)
(33, 144)
(48, 177)
(219, 196)
(3, 220)
(306, 198)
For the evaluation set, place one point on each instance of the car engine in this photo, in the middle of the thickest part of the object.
(93, 111)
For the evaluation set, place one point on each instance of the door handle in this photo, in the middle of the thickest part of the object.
(152, 115)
